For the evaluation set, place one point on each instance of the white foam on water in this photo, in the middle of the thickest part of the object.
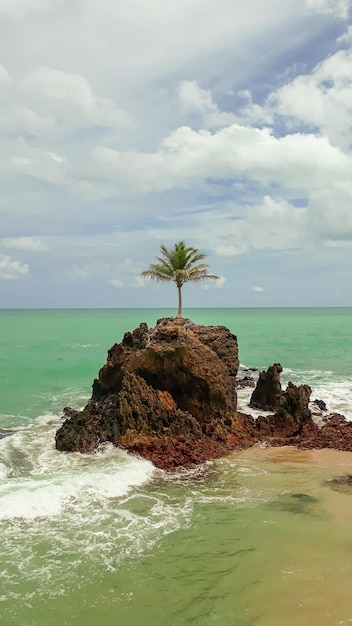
(68, 516)
(81, 345)
(41, 480)
(4, 472)
(337, 395)
(335, 390)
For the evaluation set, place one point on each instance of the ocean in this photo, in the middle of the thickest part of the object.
(257, 538)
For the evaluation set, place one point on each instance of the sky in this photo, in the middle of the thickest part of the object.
(127, 124)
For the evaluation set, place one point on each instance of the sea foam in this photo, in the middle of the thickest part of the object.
(36, 480)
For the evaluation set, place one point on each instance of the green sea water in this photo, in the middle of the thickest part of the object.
(257, 538)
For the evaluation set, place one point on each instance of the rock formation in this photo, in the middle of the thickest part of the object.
(246, 381)
(336, 433)
(292, 423)
(169, 394)
(292, 413)
(267, 393)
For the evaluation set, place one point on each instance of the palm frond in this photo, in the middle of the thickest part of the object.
(179, 265)
(197, 278)
(159, 272)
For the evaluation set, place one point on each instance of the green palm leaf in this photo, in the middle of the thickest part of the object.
(179, 265)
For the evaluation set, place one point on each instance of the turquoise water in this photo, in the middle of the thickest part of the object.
(256, 538)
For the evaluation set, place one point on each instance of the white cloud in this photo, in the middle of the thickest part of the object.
(11, 270)
(22, 121)
(116, 283)
(21, 159)
(346, 38)
(258, 289)
(139, 282)
(89, 270)
(330, 214)
(187, 157)
(252, 113)
(276, 224)
(220, 282)
(195, 99)
(330, 243)
(217, 284)
(69, 98)
(27, 244)
(321, 99)
(337, 8)
(272, 224)
(199, 101)
(228, 249)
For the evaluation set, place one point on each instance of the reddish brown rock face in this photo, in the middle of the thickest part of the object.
(169, 394)
(292, 423)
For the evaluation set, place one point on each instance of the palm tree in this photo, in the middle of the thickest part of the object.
(179, 265)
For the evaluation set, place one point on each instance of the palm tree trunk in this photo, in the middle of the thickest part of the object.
(179, 312)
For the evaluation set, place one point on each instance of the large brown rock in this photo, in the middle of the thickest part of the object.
(292, 414)
(267, 393)
(167, 393)
(291, 406)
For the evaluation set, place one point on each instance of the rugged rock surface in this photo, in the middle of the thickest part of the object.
(291, 406)
(293, 412)
(167, 393)
(320, 404)
(336, 433)
(293, 423)
(246, 381)
(267, 393)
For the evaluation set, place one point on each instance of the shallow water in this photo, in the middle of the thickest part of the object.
(258, 538)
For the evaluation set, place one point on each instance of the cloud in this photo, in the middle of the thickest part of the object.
(273, 224)
(69, 99)
(199, 101)
(346, 37)
(320, 99)
(217, 284)
(251, 113)
(258, 289)
(337, 8)
(187, 157)
(20, 159)
(220, 282)
(24, 121)
(116, 283)
(11, 270)
(330, 215)
(229, 249)
(125, 126)
(27, 244)
(139, 282)
(89, 270)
